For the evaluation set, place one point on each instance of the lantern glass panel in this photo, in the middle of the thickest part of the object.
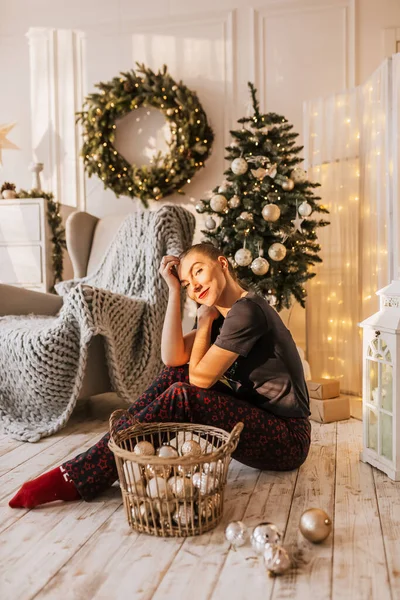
(372, 430)
(373, 390)
(386, 436)
(387, 387)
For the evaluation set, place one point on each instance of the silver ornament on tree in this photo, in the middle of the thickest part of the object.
(239, 166)
(259, 266)
(288, 185)
(277, 251)
(210, 223)
(298, 175)
(315, 525)
(224, 187)
(276, 558)
(265, 533)
(243, 256)
(218, 203)
(271, 213)
(234, 202)
(305, 209)
(200, 206)
(236, 533)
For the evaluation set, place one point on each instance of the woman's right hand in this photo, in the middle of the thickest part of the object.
(169, 273)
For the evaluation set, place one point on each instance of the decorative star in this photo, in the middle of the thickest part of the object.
(5, 144)
(297, 222)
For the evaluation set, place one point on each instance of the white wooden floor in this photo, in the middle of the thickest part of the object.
(84, 550)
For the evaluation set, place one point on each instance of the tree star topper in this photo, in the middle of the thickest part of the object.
(5, 144)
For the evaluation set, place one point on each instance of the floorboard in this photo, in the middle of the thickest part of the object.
(81, 550)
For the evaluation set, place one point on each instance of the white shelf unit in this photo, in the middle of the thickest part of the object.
(25, 249)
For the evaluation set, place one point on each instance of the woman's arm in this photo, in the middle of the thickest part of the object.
(175, 347)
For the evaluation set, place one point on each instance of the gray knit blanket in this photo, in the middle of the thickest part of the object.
(43, 359)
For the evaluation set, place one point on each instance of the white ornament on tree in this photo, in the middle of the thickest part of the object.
(234, 202)
(271, 213)
(297, 222)
(288, 185)
(277, 251)
(298, 175)
(210, 223)
(224, 187)
(243, 257)
(260, 266)
(305, 209)
(218, 203)
(239, 166)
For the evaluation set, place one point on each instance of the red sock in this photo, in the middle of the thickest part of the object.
(54, 485)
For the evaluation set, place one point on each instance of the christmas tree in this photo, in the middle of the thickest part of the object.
(262, 217)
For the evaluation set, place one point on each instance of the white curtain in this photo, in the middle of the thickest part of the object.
(349, 150)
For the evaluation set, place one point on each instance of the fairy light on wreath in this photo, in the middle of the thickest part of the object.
(189, 146)
(57, 237)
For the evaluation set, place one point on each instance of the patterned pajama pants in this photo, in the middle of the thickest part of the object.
(267, 442)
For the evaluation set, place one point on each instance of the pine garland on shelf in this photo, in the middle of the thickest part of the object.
(54, 220)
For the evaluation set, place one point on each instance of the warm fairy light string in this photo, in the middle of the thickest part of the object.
(338, 308)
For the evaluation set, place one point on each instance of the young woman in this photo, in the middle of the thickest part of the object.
(240, 363)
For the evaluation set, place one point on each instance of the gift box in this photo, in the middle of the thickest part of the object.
(327, 411)
(356, 407)
(323, 389)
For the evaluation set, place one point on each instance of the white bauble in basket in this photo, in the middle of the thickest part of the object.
(158, 488)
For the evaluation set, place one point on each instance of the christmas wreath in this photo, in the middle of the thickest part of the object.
(189, 146)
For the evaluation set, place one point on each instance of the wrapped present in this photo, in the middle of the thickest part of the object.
(323, 389)
(333, 409)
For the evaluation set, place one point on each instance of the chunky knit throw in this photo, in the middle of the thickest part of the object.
(43, 359)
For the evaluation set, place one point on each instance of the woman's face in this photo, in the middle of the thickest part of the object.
(203, 278)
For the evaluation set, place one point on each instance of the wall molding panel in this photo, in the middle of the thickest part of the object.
(57, 69)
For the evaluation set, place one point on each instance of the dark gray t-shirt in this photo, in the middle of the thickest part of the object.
(268, 372)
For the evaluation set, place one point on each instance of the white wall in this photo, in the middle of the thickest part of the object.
(292, 49)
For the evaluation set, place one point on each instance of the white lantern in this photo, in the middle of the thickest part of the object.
(381, 378)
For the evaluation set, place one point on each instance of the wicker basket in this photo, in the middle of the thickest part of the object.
(173, 506)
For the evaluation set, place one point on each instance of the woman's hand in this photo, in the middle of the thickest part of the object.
(169, 273)
(207, 313)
